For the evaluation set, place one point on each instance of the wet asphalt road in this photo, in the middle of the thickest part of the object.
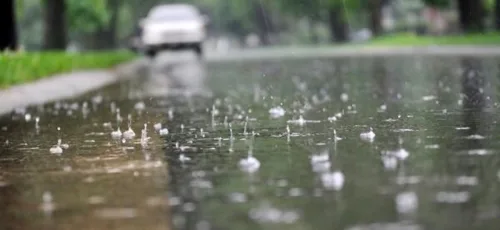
(264, 144)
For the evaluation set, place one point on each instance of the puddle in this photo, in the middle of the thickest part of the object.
(301, 144)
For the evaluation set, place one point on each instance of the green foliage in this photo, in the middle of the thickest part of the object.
(87, 15)
(316, 9)
(414, 40)
(19, 7)
(16, 68)
(228, 15)
(489, 5)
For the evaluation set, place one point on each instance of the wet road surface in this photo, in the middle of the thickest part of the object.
(263, 144)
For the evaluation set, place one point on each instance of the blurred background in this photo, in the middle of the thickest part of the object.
(107, 24)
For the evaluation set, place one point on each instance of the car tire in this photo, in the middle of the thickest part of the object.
(151, 53)
(198, 50)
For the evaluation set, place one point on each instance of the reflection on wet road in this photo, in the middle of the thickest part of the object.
(313, 143)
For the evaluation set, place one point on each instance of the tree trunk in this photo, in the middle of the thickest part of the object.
(338, 25)
(497, 14)
(263, 22)
(114, 7)
(8, 40)
(376, 17)
(55, 25)
(105, 37)
(471, 15)
(110, 32)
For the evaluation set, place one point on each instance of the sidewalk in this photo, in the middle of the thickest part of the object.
(63, 86)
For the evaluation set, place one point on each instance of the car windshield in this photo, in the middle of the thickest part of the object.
(173, 13)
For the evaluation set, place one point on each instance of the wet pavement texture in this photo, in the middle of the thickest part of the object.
(313, 143)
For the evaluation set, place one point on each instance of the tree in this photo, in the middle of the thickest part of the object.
(337, 23)
(8, 40)
(263, 21)
(471, 15)
(237, 18)
(375, 16)
(294, 10)
(339, 19)
(55, 37)
(96, 23)
(333, 12)
(106, 34)
(497, 14)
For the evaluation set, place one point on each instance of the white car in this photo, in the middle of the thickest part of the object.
(173, 27)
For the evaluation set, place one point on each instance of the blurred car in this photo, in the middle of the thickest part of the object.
(173, 27)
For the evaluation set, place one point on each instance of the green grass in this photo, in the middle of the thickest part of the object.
(17, 68)
(415, 40)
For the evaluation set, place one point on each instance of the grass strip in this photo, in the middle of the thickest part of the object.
(22, 67)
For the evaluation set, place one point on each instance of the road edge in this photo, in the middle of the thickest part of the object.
(66, 85)
(299, 52)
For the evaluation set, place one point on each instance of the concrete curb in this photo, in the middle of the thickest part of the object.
(65, 85)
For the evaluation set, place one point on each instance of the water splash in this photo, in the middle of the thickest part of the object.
(368, 136)
(214, 113)
(299, 121)
(407, 202)
(163, 132)
(157, 127)
(399, 154)
(27, 117)
(390, 162)
(231, 144)
(288, 133)
(320, 162)
(183, 158)
(333, 180)
(129, 134)
(85, 110)
(335, 136)
(56, 149)
(245, 133)
(118, 116)
(47, 205)
(277, 112)
(117, 134)
(202, 133)
(144, 136)
(170, 114)
(37, 123)
(140, 106)
(231, 131)
(250, 164)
